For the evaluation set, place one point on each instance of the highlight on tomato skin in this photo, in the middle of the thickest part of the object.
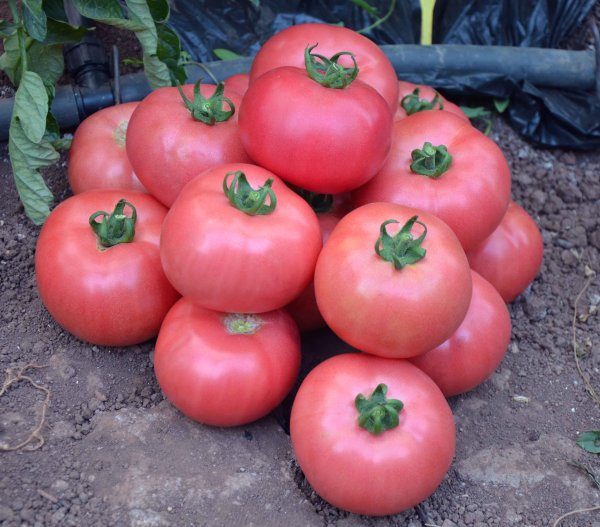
(476, 348)
(372, 436)
(511, 257)
(226, 369)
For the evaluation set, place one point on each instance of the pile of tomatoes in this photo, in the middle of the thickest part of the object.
(316, 191)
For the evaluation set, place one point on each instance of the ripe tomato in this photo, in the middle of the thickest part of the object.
(329, 141)
(168, 147)
(286, 48)
(476, 348)
(419, 97)
(97, 157)
(238, 83)
(304, 309)
(354, 468)
(469, 183)
(511, 256)
(226, 369)
(232, 261)
(114, 296)
(402, 302)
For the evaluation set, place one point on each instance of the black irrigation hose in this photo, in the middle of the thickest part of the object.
(542, 67)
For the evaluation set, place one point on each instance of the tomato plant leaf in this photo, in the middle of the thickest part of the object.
(501, 104)
(63, 33)
(10, 60)
(100, 9)
(160, 10)
(55, 9)
(372, 10)
(7, 28)
(31, 106)
(156, 71)
(226, 54)
(34, 19)
(168, 51)
(590, 441)
(47, 62)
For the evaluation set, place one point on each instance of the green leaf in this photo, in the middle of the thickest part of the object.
(47, 62)
(160, 10)
(226, 54)
(156, 71)
(53, 136)
(31, 106)
(590, 441)
(168, 51)
(10, 60)
(133, 62)
(475, 113)
(55, 9)
(7, 28)
(99, 9)
(63, 33)
(34, 19)
(372, 10)
(255, 3)
(501, 104)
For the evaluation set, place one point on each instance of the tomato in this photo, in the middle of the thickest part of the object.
(511, 256)
(304, 309)
(113, 296)
(168, 147)
(353, 467)
(97, 157)
(229, 260)
(323, 139)
(286, 48)
(419, 97)
(399, 303)
(476, 348)
(469, 182)
(238, 83)
(226, 369)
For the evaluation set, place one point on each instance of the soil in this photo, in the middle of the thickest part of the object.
(115, 453)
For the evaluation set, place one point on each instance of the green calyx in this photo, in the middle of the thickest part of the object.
(401, 249)
(413, 104)
(377, 413)
(243, 197)
(242, 324)
(327, 72)
(209, 111)
(431, 161)
(114, 228)
(320, 203)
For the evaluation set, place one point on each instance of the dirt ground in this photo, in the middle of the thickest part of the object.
(115, 453)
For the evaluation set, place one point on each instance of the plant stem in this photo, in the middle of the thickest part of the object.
(427, 21)
(381, 20)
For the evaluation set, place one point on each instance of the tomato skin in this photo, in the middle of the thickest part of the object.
(229, 261)
(388, 312)
(286, 48)
(471, 196)
(425, 92)
(354, 469)
(225, 379)
(328, 141)
(113, 297)
(511, 256)
(238, 83)
(97, 157)
(476, 348)
(167, 147)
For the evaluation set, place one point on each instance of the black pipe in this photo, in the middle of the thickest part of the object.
(542, 67)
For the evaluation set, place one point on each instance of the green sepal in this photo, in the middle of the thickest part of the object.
(431, 161)
(326, 71)
(208, 111)
(401, 249)
(246, 199)
(377, 413)
(413, 104)
(114, 228)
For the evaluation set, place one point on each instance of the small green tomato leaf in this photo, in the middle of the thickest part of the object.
(31, 106)
(401, 249)
(226, 54)
(590, 441)
(7, 28)
(63, 33)
(114, 228)
(246, 199)
(34, 19)
(377, 413)
(431, 161)
(10, 60)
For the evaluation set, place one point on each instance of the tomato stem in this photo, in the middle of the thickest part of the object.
(377, 413)
(209, 111)
(401, 249)
(243, 197)
(320, 203)
(242, 324)
(413, 104)
(431, 161)
(114, 228)
(326, 71)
